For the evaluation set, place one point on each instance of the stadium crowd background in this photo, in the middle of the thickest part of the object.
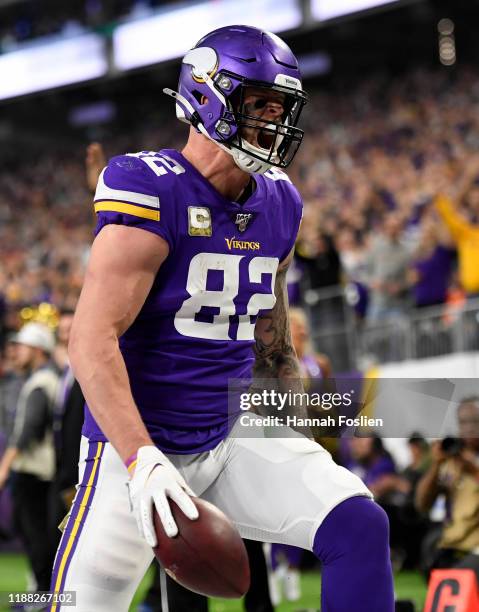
(373, 160)
(378, 150)
(28, 20)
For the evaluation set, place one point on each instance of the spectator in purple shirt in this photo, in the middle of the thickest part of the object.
(372, 463)
(432, 267)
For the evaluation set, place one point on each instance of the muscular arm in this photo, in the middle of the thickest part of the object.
(121, 270)
(429, 486)
(275, 355)
(428, 489)
(274, 351)
(6, 463)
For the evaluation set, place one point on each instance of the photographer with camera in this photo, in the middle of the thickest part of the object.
(454, 472)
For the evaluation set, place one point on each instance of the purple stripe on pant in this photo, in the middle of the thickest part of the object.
(77, 518)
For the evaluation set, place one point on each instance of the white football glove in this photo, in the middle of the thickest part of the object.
(154, 480)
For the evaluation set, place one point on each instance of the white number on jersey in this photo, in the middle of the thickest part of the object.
(258, 301)
(277, 175)
(223, 300)
(166, 163)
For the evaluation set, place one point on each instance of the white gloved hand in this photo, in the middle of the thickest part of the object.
(154, 480)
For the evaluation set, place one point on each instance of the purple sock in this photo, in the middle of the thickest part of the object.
(292, 554)
(352, 544)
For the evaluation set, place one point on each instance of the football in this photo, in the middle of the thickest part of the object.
(207, 556)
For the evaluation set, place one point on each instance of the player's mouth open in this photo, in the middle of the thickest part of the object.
(265, 140)
(263, 137)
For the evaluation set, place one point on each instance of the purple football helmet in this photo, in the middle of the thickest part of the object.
(213, 81)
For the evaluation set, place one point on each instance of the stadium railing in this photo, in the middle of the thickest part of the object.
(352, 343)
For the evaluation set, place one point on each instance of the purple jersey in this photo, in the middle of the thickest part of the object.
(196, 328)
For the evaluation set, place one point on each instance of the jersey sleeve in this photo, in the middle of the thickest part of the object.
(127, 194)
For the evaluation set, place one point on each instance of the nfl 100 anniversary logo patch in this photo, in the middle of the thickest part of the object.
(242, 219)
(199, 221)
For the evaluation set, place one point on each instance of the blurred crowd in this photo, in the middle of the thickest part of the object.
(45, 231)
(374, 159)
(41, 415)
(370, 176)
(25, 21)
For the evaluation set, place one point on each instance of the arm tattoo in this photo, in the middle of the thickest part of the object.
(275, 355)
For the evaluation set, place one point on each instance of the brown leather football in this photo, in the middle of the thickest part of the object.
(207, 556)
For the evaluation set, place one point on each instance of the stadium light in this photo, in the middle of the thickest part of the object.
(314, 64)
(329, 9)
(172, 32)
(447, 43)
(52, 64)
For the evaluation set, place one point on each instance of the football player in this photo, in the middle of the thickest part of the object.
(185, 291)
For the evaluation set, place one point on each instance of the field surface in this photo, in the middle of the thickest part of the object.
(409, 585)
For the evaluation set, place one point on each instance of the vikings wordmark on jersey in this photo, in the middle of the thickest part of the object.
(196, 328)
